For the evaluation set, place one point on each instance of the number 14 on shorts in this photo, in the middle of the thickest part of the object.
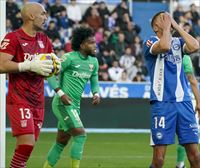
(159, 122)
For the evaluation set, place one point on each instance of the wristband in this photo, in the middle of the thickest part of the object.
(60, 93)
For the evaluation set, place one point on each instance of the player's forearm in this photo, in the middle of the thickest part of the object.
(195, 90)
(192, 44)
(8, 66)
(165, 41)
(53, 83)
(94, 84)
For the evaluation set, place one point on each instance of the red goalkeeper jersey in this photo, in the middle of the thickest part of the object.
(26, 87)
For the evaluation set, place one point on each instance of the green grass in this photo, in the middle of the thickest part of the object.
(101, 151)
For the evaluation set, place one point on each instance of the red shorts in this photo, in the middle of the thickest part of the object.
(25, 119)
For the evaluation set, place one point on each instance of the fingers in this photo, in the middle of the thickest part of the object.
(47, 66)
(96, 100)
(44, 74)
(46, 62)
(57, 62)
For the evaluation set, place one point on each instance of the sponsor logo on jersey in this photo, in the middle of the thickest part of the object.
(41, 44)
(4, 44)
(174, 58)
(29, 57)
(91, 67)
(81, 75)
(23, 123)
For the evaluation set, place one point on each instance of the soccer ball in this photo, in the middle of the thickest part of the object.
(48, 56)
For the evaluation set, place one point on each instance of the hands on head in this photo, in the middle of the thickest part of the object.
(166, 22)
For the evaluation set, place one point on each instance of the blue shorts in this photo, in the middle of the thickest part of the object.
(171, 118)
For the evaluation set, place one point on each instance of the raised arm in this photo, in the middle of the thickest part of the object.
(162, 27)
(191, 44)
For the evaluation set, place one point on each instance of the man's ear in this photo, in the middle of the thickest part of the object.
(155, 28)
(82, 45)
(31, 16)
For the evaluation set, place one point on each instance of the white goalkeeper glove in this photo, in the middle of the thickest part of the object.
(57, 61)
(41, 67)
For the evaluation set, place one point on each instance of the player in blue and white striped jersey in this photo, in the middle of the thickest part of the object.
(171, 108)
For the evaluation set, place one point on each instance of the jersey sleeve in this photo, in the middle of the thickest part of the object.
(50, 47)
(148, 44)
(66, 61)
(9, 44)
(187, 64)
(94, 78)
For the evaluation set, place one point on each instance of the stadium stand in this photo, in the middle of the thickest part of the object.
(115, 31)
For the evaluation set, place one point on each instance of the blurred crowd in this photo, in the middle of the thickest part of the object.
(189, 20)
(119, 46)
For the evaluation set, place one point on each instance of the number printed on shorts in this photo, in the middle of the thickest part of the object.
(25, 113)
(159, 122)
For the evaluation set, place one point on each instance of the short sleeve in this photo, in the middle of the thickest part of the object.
(9, 44)
(187, 64)
(66, 60)
(148, 44)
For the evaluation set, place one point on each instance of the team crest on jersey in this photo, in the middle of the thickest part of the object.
(149, 43)
(23, 123)
(41, 44)
(91, 67)
(176, 46)
(4, 44)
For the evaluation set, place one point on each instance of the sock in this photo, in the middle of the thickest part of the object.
(47, 165)
(77, 147)
(21, 155)
(180, 164)
(180, 154)
(75, 163)
(54, 153)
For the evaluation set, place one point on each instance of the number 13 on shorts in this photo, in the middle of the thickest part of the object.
(25, 113)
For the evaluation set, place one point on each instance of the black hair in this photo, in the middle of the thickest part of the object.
(155, 16)
(79, 35)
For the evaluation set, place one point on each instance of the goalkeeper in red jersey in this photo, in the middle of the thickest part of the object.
(19, 51)
(77, 68)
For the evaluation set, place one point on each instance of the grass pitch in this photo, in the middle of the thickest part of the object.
(101, 151)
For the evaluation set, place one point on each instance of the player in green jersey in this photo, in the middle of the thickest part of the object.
(188, 69)
(78, 67)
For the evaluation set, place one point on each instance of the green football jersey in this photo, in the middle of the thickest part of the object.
(76, 71)
(187, 64)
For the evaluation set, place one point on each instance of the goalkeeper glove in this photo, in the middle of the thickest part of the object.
(41, 67)
(57, 61)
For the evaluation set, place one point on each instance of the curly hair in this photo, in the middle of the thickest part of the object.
(79, 35)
